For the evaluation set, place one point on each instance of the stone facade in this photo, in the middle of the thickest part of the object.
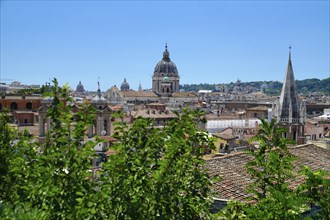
(22, 108)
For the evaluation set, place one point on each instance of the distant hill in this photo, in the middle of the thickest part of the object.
(303, 87)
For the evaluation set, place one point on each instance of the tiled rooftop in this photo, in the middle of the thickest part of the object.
(184, 95)
(258, 108)
(139, 94)
(234, 178)
(152, 113)
(225, 136)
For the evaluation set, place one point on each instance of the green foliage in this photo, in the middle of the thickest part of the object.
(308, 86)
(271, 166)
(154, 174)
(8, 212)
(316, 190)
(29, 91)
(234, 211)
(271, 169)
(197, 87)
(277, 205)
(157, 174)
(7, 154)
(56, 181)
(304, 87)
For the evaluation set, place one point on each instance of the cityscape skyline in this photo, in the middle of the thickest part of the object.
(210, 42)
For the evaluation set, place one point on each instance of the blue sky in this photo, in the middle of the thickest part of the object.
(209, 41)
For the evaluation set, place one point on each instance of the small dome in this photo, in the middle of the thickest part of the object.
(97, 99)
(80, 88)
(166, 67)
(124, 86)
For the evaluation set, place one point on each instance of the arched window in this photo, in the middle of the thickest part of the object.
(105, 127)
(94, 128)
(29, 105)
(13, 106)
(313, 137)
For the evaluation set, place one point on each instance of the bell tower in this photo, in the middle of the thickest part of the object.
(288, 111)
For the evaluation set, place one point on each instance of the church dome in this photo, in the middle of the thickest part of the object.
(80, 88)
(124, 86)
(166, 67)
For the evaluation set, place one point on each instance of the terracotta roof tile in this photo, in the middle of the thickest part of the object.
(258, 108)
(234, 178)
(138, 94)
(184, 95)
(152, 113)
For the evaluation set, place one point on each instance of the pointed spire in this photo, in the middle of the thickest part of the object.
(140, 87)
(288, 99)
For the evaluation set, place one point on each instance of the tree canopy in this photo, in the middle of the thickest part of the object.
(155, 173)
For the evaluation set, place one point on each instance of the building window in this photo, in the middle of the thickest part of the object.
(313, 137)
(13, 106)
(105, 126)
(284, 134)
(29, 105)
(0, 106)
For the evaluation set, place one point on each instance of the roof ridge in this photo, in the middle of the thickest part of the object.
(301, 146)
(228, 155)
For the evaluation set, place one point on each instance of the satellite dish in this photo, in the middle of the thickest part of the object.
(103, 132)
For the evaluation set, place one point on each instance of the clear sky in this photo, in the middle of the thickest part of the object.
(209, 41)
